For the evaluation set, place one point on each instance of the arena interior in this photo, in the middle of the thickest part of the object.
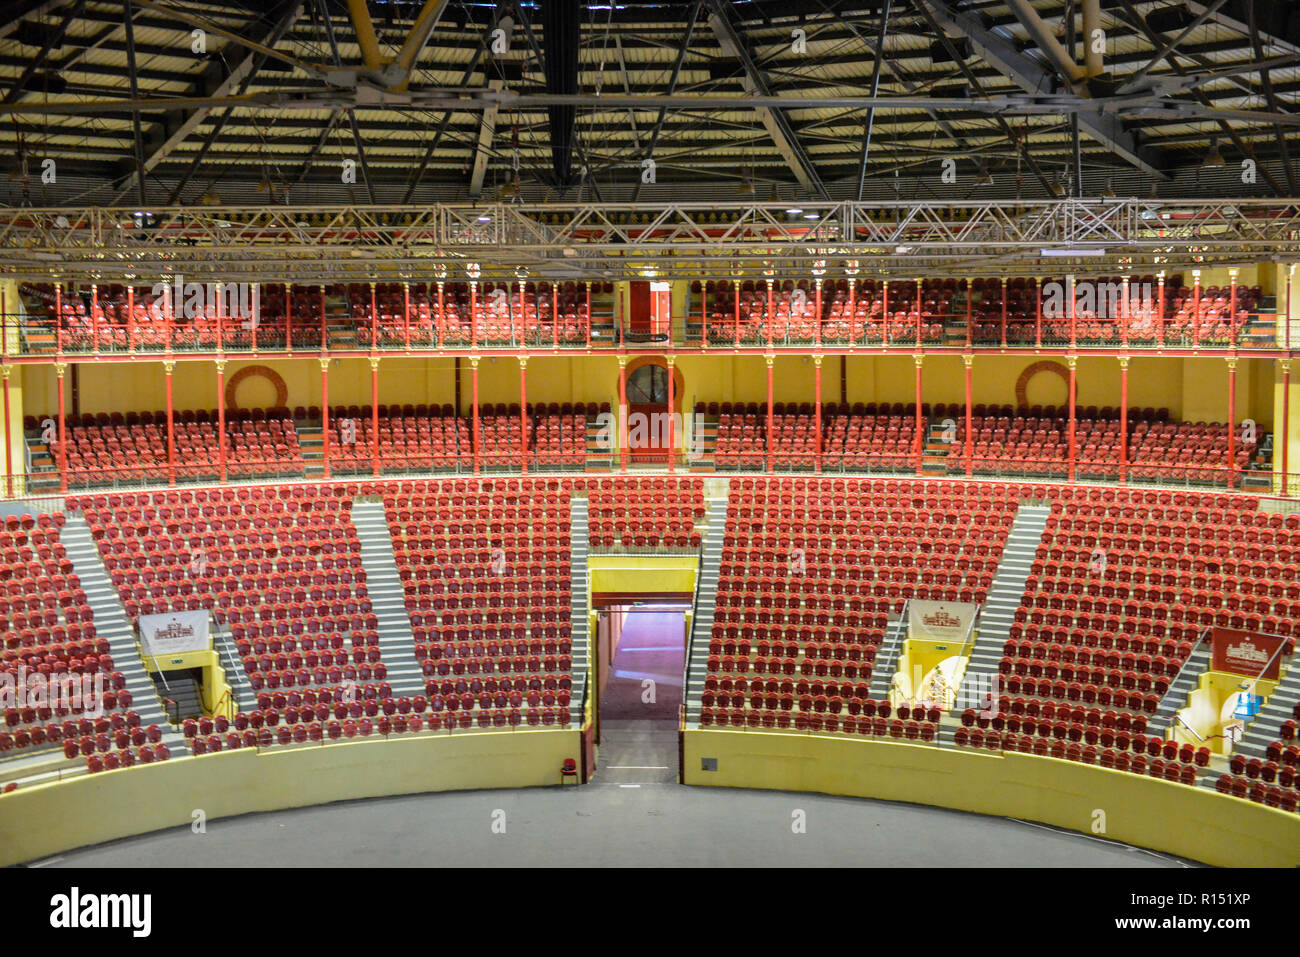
(809, 433)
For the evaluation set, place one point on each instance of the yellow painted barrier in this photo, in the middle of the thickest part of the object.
(1177, 819)
(39, 821)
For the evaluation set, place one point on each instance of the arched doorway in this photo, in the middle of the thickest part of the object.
(648, 430)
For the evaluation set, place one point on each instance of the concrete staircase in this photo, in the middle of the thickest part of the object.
(891, 649)
(579, 604)
(999, 611)
(387, 600)
(112, 623)
(600, 454)
(1182, 686)
(706, 603)
(1264, 729)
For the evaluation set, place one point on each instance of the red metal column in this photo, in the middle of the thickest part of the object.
(771, 309)
(969, 454)
(555, 315)
(1074, 311)
(1003, 282)
(168, 367)
(221, 343)
(1286, 338)
(1124, 311)
(221, 418)
(672, 414)
(476, 438)
(374, 317)
(588, 322)
(325, 415)
(704, 314)
(9, 451)
(884, 313)
(622, 413)
(130, 318)
(1123, 419)
(817, 408)
(1232, 305)
(523, 414)
(94, 315)
(771, 451)
(1160, 309)
(288, 318)
(1232, 423)
(406, 315)
(1286, 425)
(969, 305)
(374, 415)
(255, 321)
(324, 332)
(1073, 362)
(735, 287)
(58, 316)
(918, 312)
(522, 336)
(919, 439)
(473, 317)
(1196, 308)
(440, 320)
(61, 447)
(1038, 313)
(818, 307)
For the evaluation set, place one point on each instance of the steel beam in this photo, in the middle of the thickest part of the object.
(486, 131)
(775, 121)
(1001, 54)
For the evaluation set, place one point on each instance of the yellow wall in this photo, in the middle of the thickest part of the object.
(38, 821)
(1178, 819)
(642, 573)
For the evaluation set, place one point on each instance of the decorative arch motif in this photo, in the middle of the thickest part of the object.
(1022, 384)
(679, 381)
(262, 372)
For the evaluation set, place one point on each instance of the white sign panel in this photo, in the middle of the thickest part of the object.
(940, 620)
(174, 632)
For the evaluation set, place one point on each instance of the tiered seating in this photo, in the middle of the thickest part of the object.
(869, 437)
(500, 440)
(1124, 584)
(645, 513)
(411, 438)
(1186, 452)
(810, 573)
(742, 436)
(281, 567)
(496, 307)
(132, 447)
(560, 436)
(1273, 780)
(48, 635)
(485, 566)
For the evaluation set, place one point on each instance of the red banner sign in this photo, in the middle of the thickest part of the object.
(1246, 653)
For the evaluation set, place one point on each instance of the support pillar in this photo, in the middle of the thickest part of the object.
(168, 368)
(1196, 308)
(1074, 311)
(60, 446)
(970, 296)
(221, 419)
(1123, 420)
(969, 453)
(771, 450)
(622, 413)
(1160, 309)
(918, 312)
(1072, 362)
(325, 415)
(919, 439)
(1232, 424)
(1286, 424)
(374, 415)
(818, 318)
(1038, 313)
(1232, 306)
(884, 313)
(1003, 282)
(817, 409)
(523, 413)
(288, 318)
(1124, 311)
(476, 438)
